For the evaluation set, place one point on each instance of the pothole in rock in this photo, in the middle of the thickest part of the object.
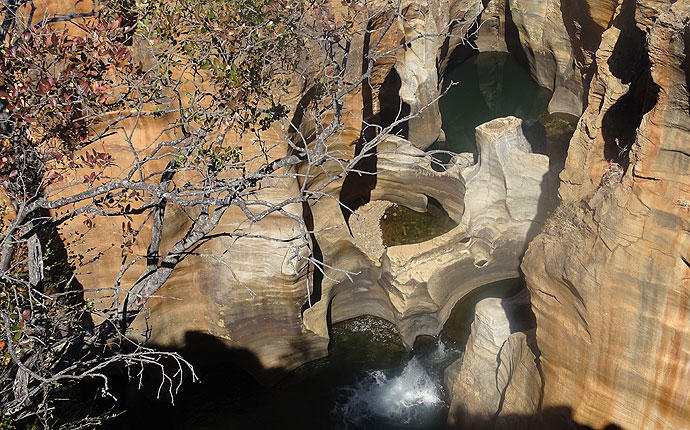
(401, 225)
(559, 130)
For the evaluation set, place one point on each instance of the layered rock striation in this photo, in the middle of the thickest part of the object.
(494, 379)
(498, 203)
(609, 276)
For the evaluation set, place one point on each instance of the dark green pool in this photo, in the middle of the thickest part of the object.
(369, 381)
(489, 85)
(401, 225)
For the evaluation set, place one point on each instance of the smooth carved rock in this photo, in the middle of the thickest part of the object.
(497, 203)
(610, 292)
(502, 204)
(417, 64)
(549, 51)
(491, 35)
(494, 379)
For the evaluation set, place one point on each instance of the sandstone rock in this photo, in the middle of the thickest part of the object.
(491, 36)
(497, 205)
(610, 293)
(546, 43)
(495, 376)
(366, 229)
(417, 65)
(502, 206)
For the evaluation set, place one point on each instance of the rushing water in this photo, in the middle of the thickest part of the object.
(412, 398)
(401, 400)
(369, 380)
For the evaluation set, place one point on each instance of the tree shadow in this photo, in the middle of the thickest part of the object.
(359, 183)
(226, 395)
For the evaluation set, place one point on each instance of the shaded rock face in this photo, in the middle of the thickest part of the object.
(609, 277)
(417, 65)
(494, 379)
(549, 51)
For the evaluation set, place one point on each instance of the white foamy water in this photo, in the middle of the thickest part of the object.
(378, 398)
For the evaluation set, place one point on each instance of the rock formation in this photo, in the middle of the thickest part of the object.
(548, 50)
(498, 204)
(609, 277)
(495, 376)
(417, 65)
(249, 297)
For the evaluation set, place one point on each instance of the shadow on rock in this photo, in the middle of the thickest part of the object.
(552, 418)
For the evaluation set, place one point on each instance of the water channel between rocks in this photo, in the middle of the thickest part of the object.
(492, 85)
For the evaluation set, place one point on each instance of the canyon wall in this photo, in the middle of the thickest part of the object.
(608, 278)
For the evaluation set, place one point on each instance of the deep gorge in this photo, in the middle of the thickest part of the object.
(515, 256)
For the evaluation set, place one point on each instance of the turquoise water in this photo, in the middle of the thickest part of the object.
(489, 85)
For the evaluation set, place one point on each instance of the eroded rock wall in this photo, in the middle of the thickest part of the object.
(499, 203)
(433, 28)
(494, 379)
(546, 44)
(609, 277)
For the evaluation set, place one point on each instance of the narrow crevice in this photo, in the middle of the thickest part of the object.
(392, 106)
(513, 39)
(361, 180)
(630, 63)
(685, 66)
(315, 274)
(585, 36)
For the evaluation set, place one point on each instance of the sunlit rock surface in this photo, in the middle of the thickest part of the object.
(609, 277)
(499, 203)
(491, 35)
(502, 211)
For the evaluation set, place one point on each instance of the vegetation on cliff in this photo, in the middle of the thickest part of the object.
(120, 114)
